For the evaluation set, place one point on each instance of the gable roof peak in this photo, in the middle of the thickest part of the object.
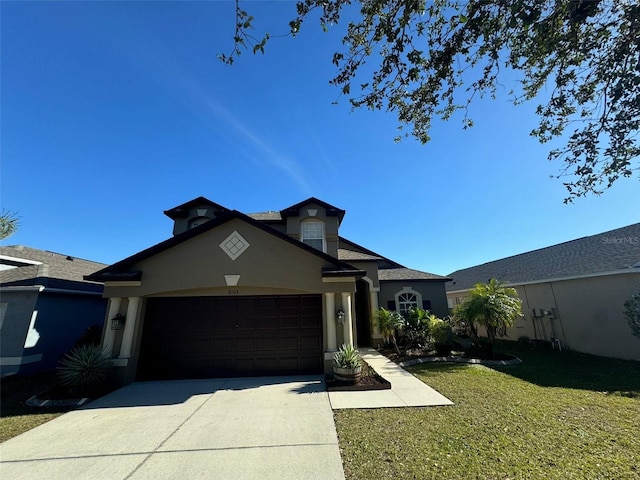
(330, 209)
(183, 210)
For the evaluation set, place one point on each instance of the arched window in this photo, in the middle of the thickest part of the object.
(312, 233)
(406, 299)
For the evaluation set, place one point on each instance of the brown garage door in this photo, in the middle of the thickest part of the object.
(200, 337)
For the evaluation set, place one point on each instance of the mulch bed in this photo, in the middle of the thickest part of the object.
(414, 354)
(61, 396)
(369, 380)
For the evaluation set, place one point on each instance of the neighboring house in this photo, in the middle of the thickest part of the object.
(267, 293)
(45, 306)
(572, 293)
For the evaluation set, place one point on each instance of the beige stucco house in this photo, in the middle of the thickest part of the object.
(572, 293)
(268, 293)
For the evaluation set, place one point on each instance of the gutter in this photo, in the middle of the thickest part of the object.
(42, 288)
(22, 288)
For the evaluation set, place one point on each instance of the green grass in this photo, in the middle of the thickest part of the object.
(557, 415)
(15, 416)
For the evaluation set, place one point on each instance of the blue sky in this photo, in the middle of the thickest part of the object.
(113, 112)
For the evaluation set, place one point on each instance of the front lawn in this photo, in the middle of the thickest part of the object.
(15, 416)
(557, 415)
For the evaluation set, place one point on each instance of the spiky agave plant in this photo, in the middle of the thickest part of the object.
(84, 367)
(347, 357)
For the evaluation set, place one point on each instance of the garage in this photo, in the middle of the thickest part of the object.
(202, 337)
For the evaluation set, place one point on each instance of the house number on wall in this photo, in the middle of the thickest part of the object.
(233, 292)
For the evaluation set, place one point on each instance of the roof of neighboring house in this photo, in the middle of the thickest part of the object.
(615, 250)
(122, 269)
(20, 266)
(388, 274)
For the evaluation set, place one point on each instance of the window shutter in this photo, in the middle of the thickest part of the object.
(391, 305)
(426, 304)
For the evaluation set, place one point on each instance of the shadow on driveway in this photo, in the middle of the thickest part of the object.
(172, 392)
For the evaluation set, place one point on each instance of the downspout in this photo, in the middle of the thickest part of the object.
(558, 317)
(533, 318)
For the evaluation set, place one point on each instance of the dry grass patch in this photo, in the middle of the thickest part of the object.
(15, 416)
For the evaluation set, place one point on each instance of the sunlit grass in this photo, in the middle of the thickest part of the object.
(554, 416)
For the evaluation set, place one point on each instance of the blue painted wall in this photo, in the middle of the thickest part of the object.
(61, 320)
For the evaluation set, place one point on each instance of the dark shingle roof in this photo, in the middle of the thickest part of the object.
(266, 216)
(350, 255)
(383, 262)
(330, 209)
(183, 210)
(597, 254)
(53, 270)
(407, 274)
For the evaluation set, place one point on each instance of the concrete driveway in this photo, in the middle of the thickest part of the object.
(241, 428)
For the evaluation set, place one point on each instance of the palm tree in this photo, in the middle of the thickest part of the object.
(491, 305)
(388, 322)
(8, 223)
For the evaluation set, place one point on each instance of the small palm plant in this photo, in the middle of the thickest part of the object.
(388, 322)
(492, 306)
(84, 368)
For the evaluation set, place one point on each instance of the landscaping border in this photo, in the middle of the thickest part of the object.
(35, 401)
(475, 361)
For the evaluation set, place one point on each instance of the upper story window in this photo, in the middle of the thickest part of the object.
(312, 233)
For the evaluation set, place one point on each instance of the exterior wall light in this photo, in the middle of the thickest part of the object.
(117, 322)
(340, 316)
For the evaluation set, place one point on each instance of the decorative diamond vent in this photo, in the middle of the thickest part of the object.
(234, 245)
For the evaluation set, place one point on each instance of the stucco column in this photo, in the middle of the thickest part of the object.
(348, 319)
(374, 307)
(330, 308)
(129, 326)
(109, 333)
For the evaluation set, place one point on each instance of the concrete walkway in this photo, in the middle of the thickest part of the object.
(252, 428)
(406, 390)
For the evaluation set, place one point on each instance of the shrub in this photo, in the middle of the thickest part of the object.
(441, 331)
(84, 367)
(481, 348)
(632, 312)
(416, 328)
(463, 328)
(91, 336)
